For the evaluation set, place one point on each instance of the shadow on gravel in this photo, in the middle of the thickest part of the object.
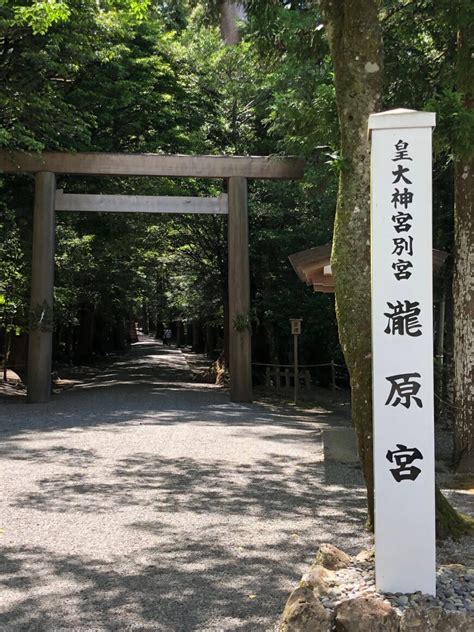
(206, 583)
(188, 582)
(181, 583)
(145, 404)
(156, 594)
(267, 489)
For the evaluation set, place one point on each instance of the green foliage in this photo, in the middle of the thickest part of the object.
(420, 40)
(40, 16)
(136, 76)
(287, 218)
(13, 286)
(242, 322)
(455, 128)
(99, 79)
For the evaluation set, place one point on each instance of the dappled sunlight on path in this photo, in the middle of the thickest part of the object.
(143, 499)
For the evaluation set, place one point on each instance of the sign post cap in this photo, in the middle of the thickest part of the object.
(401, 118)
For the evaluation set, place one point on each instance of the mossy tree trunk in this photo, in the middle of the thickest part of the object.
(355, 40)
(463, 284)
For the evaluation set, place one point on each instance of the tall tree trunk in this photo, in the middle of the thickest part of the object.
(231, 14)
(448, 388)
(463, 284)
(356, 47)
(17, 356)
(210, 341)
(120, 332)
(85, 342)
(179, 333)
(355, 41)
(159, 326)
(132, 334)
(197, 340)
(145, 320)
(272, 343)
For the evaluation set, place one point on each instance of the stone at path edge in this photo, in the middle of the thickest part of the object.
(327, 599)
(365, 613)
(304, 613)
(332, 558)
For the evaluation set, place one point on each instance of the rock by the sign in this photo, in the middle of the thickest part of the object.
(451, 610)
(365, 556)
(318, 578)
(422, 619)
(366, 613)
(332, 558)
(305, 613)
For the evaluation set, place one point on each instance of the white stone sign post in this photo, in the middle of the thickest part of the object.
(402, 348)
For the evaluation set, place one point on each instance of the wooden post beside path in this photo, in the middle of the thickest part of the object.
(296, 331)
(333, 377)
(297, 378)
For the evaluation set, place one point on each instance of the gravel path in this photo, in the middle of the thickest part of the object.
(141, 501)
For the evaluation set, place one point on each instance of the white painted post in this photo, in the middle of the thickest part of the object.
(402, 347)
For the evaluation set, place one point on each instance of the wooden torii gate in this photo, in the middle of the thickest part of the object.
(235, 169)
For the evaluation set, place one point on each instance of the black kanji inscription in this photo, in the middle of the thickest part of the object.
(403, 390)
(402, 246)
(399, 175)
(402, 269)
(404, 198)
(404, 457)
(402, 221)
(402, 153)
(403, 319)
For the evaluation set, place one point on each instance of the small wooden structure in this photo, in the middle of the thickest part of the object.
(313, 266)
(283, 376)
(234, 169)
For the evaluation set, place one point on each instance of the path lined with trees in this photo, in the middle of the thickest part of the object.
(292, 78)
(158, 77)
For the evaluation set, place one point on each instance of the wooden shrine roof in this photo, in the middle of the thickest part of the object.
(309, 266)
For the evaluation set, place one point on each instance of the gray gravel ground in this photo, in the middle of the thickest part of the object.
(140, 501)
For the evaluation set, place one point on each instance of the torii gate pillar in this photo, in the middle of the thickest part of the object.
(239, 293)
(42, 280)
